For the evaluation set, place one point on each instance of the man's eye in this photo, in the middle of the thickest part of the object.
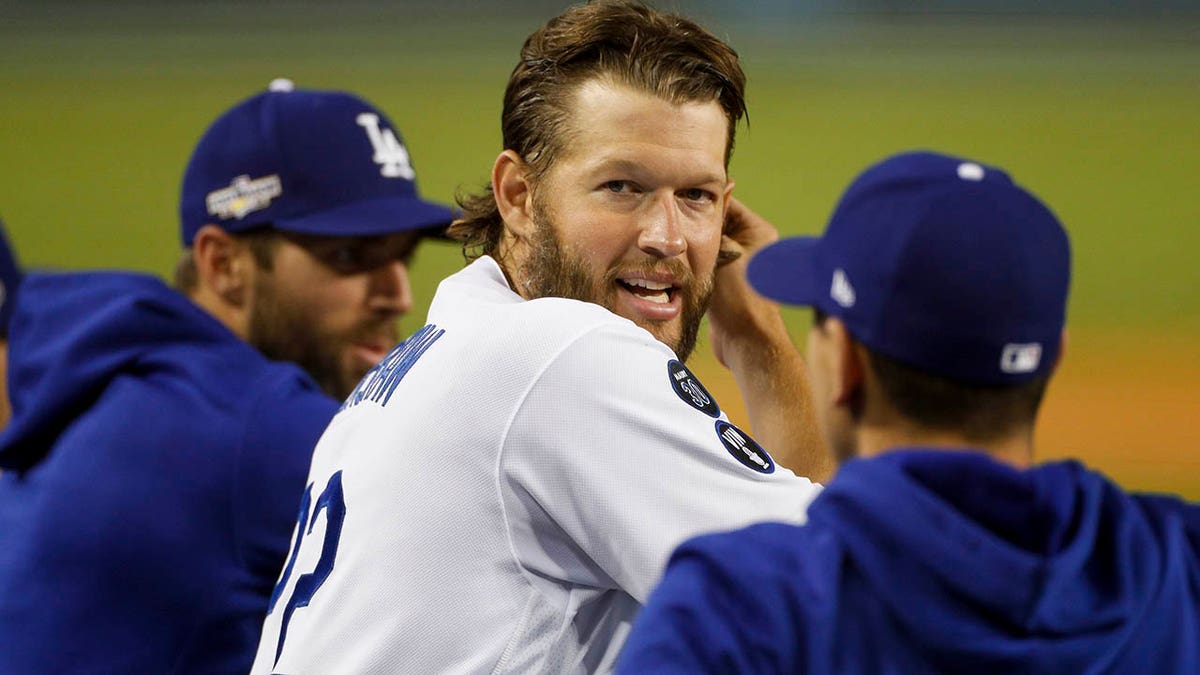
(407, 254)
(346, 257)
(617, 186)
(697, 195)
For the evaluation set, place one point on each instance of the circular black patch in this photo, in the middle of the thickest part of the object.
(744, 449)
(687, 386)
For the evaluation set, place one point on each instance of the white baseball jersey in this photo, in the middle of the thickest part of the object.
(500, 494)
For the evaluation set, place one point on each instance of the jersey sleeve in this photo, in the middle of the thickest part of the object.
(608, 466)
(282, 429)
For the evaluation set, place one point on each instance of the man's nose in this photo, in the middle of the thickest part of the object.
(662, 228)
(391, 290)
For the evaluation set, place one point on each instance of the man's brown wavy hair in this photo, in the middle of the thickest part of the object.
(619, 41)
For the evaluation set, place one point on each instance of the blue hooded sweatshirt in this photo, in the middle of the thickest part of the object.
(151, 476)
(938, 562)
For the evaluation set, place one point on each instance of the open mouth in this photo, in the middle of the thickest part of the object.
(653, 291)
(372, 350)
(370, 354)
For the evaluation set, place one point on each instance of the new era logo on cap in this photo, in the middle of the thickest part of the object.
(840, 290)
(939, 262)
(315, 162)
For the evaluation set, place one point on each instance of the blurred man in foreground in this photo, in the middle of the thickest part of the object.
(160, 438)
(939, 292)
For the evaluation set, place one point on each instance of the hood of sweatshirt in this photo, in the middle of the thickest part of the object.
(71, 334)
(1052, 568)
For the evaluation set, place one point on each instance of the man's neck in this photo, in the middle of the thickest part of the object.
(509, 256)
(1014, 449)
(220, 310)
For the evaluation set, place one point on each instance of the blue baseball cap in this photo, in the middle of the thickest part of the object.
(939, 262)
(10, 278)
(313, 162)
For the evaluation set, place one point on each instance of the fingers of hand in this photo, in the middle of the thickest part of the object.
(747, 228)
(730, 251)
(735, 218)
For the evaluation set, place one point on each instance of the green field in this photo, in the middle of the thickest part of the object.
(99, 108)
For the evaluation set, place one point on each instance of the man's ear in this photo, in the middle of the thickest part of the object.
(1062, 350)
(514, 198)
(223, 264)
(848, 367)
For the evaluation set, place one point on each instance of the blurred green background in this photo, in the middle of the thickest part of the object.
(1096, 106)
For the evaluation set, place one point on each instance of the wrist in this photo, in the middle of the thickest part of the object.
(760, 340)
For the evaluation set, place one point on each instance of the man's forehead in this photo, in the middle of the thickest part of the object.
(598, 99)
(607, 118)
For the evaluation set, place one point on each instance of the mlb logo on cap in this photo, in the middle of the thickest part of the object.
(939, 262)
(314, 162)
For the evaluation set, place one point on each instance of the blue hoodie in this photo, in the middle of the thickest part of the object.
(151, 476)
(934, 561)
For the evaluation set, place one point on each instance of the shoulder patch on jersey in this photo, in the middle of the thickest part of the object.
(744, 449)
(688, 388)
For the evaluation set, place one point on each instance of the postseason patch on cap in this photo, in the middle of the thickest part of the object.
(744, 449)
(243, 196)
(689, 390)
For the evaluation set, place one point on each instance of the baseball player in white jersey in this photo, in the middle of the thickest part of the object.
(502, 491)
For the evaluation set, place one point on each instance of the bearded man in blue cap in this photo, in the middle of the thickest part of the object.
(939, 291)
(161, 438)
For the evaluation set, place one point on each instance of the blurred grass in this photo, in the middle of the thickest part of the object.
(100, 108)
(100, 105)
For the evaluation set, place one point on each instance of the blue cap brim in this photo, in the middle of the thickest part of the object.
(372, 217)
(786, 271)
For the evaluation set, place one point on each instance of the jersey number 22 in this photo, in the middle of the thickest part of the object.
(334, 503)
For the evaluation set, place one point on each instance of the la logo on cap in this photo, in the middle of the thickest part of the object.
(390, 154)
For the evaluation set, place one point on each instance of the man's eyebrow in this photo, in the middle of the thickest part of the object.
(622, 165)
